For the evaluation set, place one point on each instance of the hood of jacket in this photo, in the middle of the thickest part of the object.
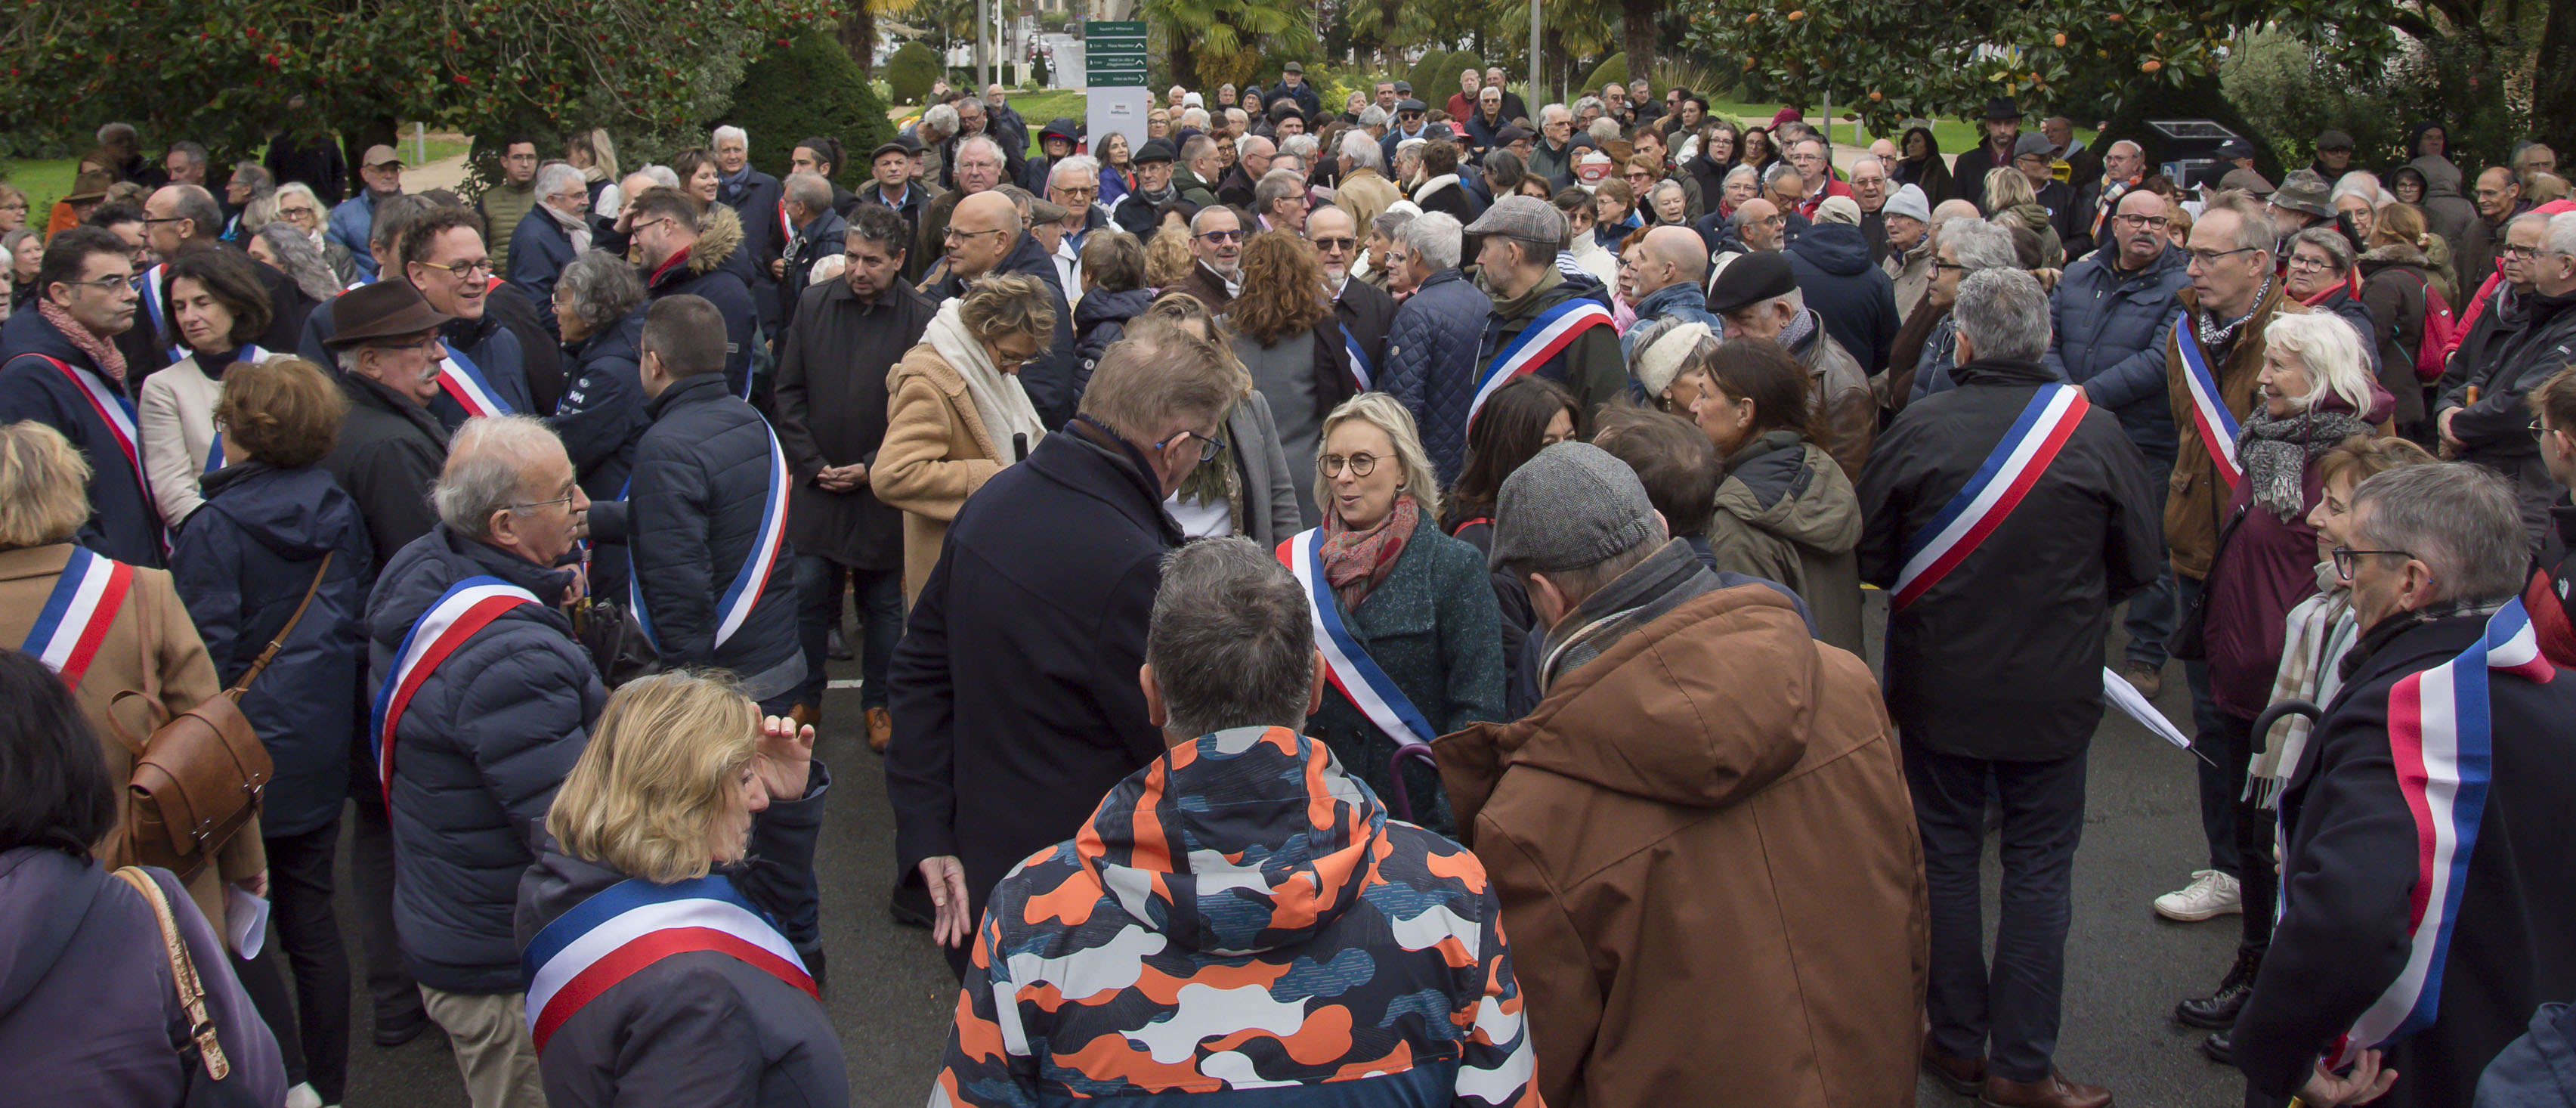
(1239, 841)
(1662, 715)
(44, 896)
(1102, 306)
(1785, 485)
(2033, 216)
(297, 514)
(1836, 248)
(2441, 178)
(2393, 253)
(719, 234)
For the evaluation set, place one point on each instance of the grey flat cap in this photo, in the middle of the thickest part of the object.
(1526, 218)
(1571, 506)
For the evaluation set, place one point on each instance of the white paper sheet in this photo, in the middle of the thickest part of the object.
(245, 921)
(2124, 696)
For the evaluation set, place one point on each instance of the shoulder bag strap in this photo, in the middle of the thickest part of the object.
(279, 643)
(183, 971)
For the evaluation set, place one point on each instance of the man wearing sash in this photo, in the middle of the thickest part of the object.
(1657, 781)
(2005, 516)
(62, 368)
(2213, 353)
(1539, 323)
(1366, 310)
(2425, 832)
(483, 374)
(483, 701)
(181, 218)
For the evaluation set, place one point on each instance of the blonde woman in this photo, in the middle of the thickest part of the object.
(957, 413)
(1417, 603)
(2010, 200)
(646, 887)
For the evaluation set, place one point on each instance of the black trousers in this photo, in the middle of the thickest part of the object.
(299, 887)
(395, 995)
(2008, 1011)
(2252, 829)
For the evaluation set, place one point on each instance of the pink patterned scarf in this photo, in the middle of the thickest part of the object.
(1358, 561)
(101, 352)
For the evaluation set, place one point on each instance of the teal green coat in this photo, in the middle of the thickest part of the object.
(1433, 627)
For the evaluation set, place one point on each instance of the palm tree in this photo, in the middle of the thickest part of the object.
(1212, 41)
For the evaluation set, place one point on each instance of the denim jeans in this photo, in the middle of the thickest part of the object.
(2009, 1012)
(819, 581)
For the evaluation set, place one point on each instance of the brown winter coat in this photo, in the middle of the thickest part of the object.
(153, 649)
(2195, 494)
(935, 454)
(1711, 879)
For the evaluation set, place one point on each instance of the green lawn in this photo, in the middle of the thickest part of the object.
(44, 181)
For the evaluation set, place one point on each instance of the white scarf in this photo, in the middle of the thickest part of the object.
(1000, 402)
(573, 225)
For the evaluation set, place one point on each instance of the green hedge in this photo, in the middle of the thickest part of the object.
(809, 87)
(1612, 68)
(911, 71)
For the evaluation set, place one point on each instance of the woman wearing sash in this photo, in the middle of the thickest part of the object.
(956, 409)
(1785, 511)
(1407, 608)
(216, 307)
(2315, 393)
(655, 972)
(117, 627)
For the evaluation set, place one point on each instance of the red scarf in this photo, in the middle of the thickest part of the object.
(2351, 283)
(102, 353)
(1358, 561)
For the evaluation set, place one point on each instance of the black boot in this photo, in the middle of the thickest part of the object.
(2218, 1048)
(2218, 1009)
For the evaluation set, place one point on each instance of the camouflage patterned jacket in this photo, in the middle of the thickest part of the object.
(1242, 919)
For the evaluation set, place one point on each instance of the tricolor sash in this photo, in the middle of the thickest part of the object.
(2209, 412)
(632, 924)
(1362, 370)
(786, 226)
(468, 606)
(77, 613)
(1551, 332)
(2440, 730)
(155, 308)
(1992, 492)
(363, 281)
(1346, 664)
(743, 595)
(463, 381)
(251, 355)
(116, 412)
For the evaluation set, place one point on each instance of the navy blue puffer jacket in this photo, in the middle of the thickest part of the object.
(487, 737)
(241, 565)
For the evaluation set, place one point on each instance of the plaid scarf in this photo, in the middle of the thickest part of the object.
(2216, 337)
(1358, 561)
(2320, 629)
(102, 353)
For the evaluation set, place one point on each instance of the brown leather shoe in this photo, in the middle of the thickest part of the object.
(806, 715)
(2052, 1091)
(1964, 1076)
(880, 729)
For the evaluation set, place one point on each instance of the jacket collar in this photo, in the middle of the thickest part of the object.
(2001, 371)
(696, 388)
(368, 392)
(237, 473)
(1668, 297)
(1124, 465)
(1668, 578)
(548, 583)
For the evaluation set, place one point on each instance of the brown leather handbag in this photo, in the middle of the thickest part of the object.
(197, 778)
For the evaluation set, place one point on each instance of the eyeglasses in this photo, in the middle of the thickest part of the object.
(2521, 253)
(2303, 262)
(148, 220)
(1208, 444)
(105, 284)
(464, 271)
(2346, 557)
(299, 210)
(1336, 243)
(639, 228)
(1938, 265)
(2150, 222)
(564, 499)
(1361, 465)
(12, 207)
(962, 236)
(2207, 258)
(1222, 236)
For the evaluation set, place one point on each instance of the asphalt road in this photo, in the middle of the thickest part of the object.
(892, 997)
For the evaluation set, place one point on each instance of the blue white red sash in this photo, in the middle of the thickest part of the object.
(632, 924)
(364, 280)
(743, 595)
(1346, 664)
(2441, 732)
(1992, 492)
(2209, 412)
(786, 226)
(117, 412)
(1553, 330)
(463, 381)
(1362, 370)
(251, 355)
(467, 607)
(155, 308)
(77, 613)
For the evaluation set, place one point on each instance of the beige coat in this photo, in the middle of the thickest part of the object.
(150, 648)
(175, 417)
(936, 453)
(1365, 194)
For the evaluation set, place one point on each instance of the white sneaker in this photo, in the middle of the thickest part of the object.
(2210, 894)
(303, 1096)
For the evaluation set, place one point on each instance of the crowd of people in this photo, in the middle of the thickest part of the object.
(1372, 597)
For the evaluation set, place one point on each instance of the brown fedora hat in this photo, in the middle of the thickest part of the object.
(92, 185)
(384, 310)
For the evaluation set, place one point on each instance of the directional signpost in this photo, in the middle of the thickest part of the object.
(1114, 71)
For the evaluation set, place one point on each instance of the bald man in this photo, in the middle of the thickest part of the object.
(1660, 276)
(985, 236)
